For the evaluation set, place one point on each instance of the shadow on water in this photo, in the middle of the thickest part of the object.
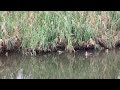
(98, 65)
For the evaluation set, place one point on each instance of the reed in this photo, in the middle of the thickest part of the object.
(41, 28)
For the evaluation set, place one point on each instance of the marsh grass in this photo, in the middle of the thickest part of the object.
(44, 26)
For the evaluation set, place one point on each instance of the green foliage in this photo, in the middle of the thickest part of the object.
(45, 25)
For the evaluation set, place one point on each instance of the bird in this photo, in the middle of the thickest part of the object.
(60, 52)
(20, 74)
(106, 50)
(87, 54)
(6, 54)
(102, 42)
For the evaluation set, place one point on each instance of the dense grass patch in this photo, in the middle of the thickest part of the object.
(39, 28)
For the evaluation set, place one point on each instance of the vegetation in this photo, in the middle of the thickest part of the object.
(47, 29)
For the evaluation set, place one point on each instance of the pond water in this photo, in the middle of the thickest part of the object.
(99, 65)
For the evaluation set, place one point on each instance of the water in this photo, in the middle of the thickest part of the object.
(99, 65)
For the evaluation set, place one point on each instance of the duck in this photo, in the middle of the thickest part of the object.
(6, 54)
(92, 42)
(60, 52)
(1, 42)
(107, 50)
(87, 54)
(1, 45)
(70, 49)
(102, 42)
(20, 74)
(61, 43)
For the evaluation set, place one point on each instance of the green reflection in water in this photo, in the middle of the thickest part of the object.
(65, 66)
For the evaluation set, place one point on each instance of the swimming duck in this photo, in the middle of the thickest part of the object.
(102, 42)
(60, 52)
(106, 50)
(70, 49)
(6, 54)
(87, 54)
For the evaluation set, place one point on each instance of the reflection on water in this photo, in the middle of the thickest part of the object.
(99, 65)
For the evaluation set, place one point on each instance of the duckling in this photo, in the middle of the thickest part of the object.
(70, 49)
(1, 41)
(92, 42)
(60, 52)
(61, 43)
(87, 54)
(102, 43)
(1, 45)
(20, 74)
(34, 52)
(6, 54)
(106, 50)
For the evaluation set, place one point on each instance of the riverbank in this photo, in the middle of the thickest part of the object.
(36, 32)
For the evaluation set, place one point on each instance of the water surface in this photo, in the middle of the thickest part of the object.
(99, 65)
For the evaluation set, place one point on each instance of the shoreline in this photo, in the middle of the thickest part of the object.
(84, 47)
(36, 32)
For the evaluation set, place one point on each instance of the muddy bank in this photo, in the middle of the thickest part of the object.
(14, 44)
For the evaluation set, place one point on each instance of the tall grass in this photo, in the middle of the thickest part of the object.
(44, 26)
